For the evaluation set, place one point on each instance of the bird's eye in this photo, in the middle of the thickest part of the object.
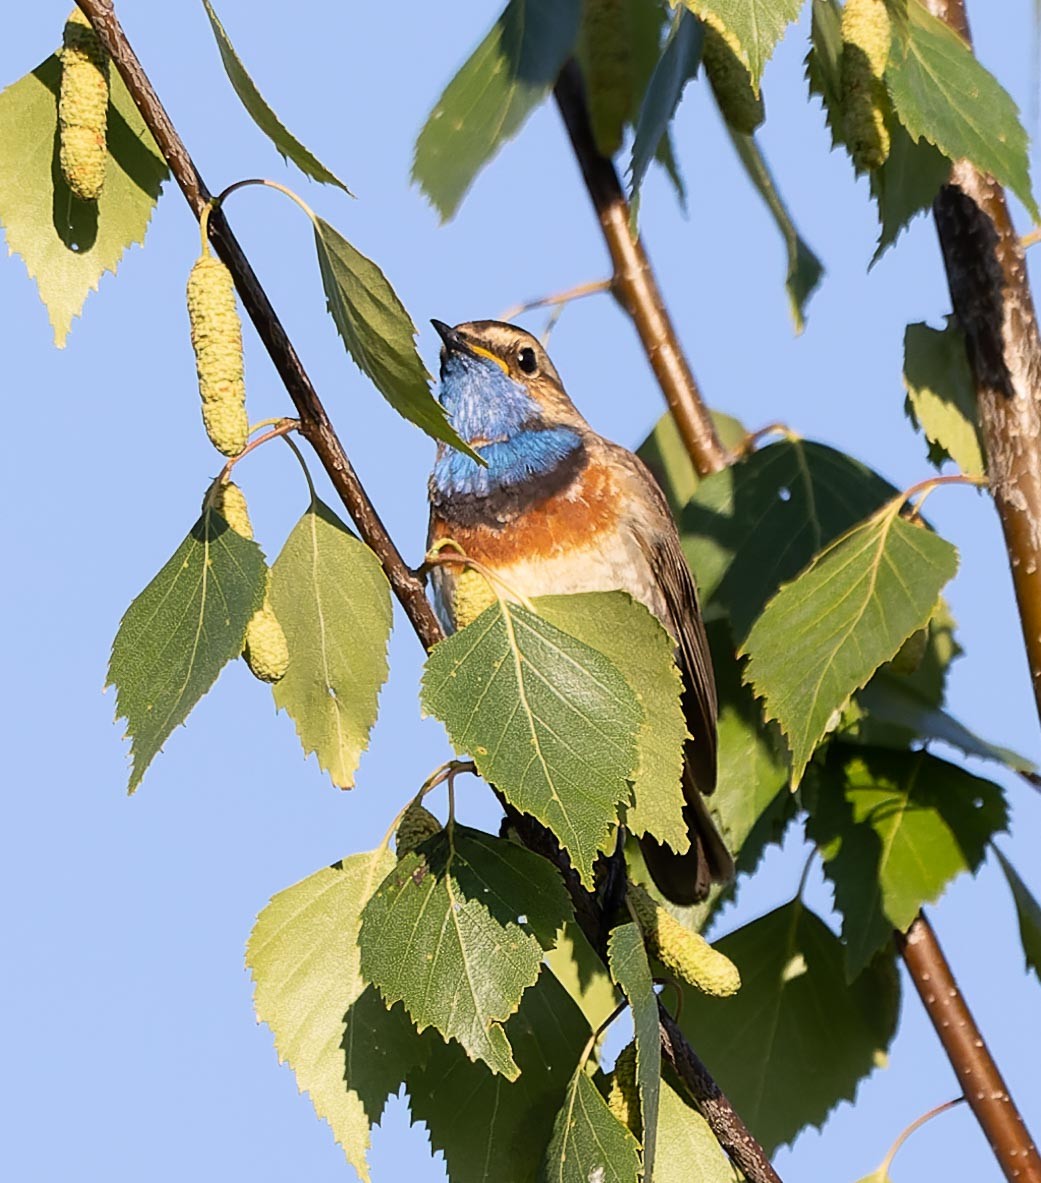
(526, 360)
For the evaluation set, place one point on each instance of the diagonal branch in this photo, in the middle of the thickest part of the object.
(316, 427)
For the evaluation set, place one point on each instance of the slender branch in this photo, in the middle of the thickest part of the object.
(913, 1128)
(978, 1074)
(635, 284)
(558, 299)
(317, 429)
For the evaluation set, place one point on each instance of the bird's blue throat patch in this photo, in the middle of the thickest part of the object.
(483, 403)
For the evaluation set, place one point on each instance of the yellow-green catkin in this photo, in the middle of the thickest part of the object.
(471, 594)
(623, 1096)
(230, 502)
(266, 650)
(731, 83)
(217, 341)
(605, 51)
(416, 826)
(681, 950)
(866, 37)
(83, 109)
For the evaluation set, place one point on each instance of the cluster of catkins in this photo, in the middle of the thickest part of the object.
(866, 38)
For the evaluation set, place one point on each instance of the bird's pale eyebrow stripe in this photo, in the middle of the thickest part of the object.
(488, 354)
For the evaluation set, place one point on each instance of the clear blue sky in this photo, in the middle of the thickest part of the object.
(130, 1048)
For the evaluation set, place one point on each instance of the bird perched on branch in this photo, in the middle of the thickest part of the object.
(559, 509)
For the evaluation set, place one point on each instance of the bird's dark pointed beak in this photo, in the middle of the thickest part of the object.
(449, 336)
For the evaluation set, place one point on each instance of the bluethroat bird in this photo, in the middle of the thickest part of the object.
(560, 509)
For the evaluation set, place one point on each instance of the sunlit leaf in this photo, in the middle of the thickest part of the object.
(752, 28)
(941, 394)
(589, 1144)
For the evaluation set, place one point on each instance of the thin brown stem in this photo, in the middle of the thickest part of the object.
(978, 1074)
(915, 1125)
(558, 299)
(317, 429)
(283, 429)
(635, 284)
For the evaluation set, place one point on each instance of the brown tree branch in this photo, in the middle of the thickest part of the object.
(978, 1075)
(635, 284)
(315, 426)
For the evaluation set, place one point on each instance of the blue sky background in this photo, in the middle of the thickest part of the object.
(130, 1047)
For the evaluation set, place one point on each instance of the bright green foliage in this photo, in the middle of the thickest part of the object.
(664, 454)
(631, 637)
(178, 634)
(589, 1142)
(804, 268)
(941, 394)
(759, 522)
(895, 828)
(677, 65)
(905, 185)
(492, 1130)
(797, 1038)
(444, 934)
(687, 1149)
(547, 719)
(941, 93)
(823, 635)
(752, 28)
(1028, 912)
(488, 101)
(289, 147)
(347, 1050)
(627, 959)
(330, 595)
(378, 333)
(69, 244)
(581, 972)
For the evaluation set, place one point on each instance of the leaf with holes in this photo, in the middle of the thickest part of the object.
(760, 521)
(69, 244)
(347, 1050)
(547, 719)
(289, 147)
(941, 93)
(589, 1142)
(631, 637)
(627, 958)
(333, 602)
(448, 934)
(941, 394)
(824, 634)
(783, 1066)
(752, 28)
(180, 632)
(894, 829)
(378, 333)
(488, 101)
(1028, 913)
(501, 1130)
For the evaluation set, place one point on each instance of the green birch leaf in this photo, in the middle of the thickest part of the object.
(632, 639)
(664, 454)
(589, 1142)
(289, 147)
(822, 636)
(781, 1063)
(489, 100)
(942, 94)
(906, 183)
(941, 394)
(347, 1050)
(546, 718)
(823, 64)
(627, 958)
(444, 935)
(759, 522)
(752, 28)
(1028, 912)
(894, 829)
(804, 268)
(688, 1151)
(605, 52)
(68, 244)
(678, 63)
(379, 334)
(180, 632)
(333, 601)
(579, 969)
(492, 1130)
